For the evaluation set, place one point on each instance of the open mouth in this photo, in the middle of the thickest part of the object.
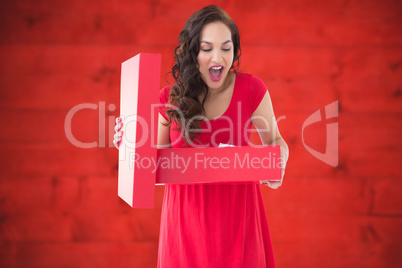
(215, 73)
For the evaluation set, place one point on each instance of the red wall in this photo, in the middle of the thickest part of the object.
(59, 204)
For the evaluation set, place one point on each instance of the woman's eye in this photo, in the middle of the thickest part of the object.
(206, 50)
(226, 49)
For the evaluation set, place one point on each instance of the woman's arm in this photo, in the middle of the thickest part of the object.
(264, 121)
(163, 133)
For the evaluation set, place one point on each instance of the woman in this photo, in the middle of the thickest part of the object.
(220, 224)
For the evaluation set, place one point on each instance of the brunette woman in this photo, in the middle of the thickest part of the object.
(214, 224)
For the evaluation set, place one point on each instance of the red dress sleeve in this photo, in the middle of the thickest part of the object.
(163, 100)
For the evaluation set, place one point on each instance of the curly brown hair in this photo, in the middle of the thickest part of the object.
(189, 84)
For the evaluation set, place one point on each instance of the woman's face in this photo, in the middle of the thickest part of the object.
(215, 57)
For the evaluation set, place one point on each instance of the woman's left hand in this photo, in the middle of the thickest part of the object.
(277, 184)
(274, 184)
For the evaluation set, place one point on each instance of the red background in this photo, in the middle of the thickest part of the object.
(59, 204)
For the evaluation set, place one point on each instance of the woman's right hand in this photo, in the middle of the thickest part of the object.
(119, 134)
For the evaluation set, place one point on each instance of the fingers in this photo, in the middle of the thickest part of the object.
(119, 124)
(272, 184)
(118, 136)
(117, 127)
(117, 139)
(116, 144)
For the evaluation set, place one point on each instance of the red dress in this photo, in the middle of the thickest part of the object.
(220, 224)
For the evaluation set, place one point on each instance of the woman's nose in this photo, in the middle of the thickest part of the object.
(216, 56)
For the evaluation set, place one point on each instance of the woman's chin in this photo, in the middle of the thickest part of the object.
(216, 85)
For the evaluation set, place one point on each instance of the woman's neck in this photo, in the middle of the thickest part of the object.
(218, 91)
